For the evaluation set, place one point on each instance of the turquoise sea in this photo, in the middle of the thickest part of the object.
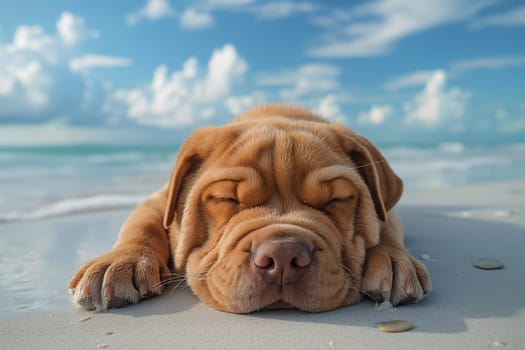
(45, 182)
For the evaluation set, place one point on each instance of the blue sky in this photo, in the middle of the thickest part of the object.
(149, 71)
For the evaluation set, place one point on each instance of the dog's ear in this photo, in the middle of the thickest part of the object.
(384, 185)
(190, 158)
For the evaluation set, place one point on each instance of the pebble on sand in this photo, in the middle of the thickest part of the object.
(488, 264)
(395, 326)
(84, 319)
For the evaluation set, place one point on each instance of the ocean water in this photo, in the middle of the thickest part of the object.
(37, 183)
(45, 182)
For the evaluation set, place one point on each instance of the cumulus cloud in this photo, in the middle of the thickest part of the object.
(239, 104)
(376, 115)
(302, 81)
(436, 103)
(200, 14)
(510, 18)
(190, 18)
(330, 109)
(72, 29)
(153, 10)
(282, 9)
(371, 29)
(193, 19)
(31, 40)
(84, 63)
(224, 67)
(184, 96)
(33, 71)
(24, 85)
(24, 82)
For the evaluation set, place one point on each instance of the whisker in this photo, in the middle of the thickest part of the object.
(176, 286)
(202, 276)
(174, 278)
(173, 274)
(369, 164)
(355, 286)
(354, 275)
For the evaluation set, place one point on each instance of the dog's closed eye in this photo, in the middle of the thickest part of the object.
(340, 200)
(224, 199)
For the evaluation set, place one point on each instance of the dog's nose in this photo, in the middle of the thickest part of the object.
(281, 261)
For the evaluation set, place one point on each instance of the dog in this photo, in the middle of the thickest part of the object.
(277, 209)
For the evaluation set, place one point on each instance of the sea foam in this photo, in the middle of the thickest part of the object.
(72, 206)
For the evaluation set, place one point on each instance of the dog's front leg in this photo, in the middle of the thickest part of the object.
(391, 272)
(134, 268)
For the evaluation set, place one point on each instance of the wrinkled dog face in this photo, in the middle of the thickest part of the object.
(273, 214)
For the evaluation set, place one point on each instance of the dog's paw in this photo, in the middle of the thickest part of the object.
(124, 275)
(393, 274)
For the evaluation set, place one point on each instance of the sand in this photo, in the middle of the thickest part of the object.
(468, 309)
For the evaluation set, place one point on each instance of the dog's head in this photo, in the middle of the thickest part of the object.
(277, 209)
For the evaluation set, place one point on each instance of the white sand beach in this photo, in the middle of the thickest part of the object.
(469, 308)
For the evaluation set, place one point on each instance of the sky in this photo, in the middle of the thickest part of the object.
(150, 71)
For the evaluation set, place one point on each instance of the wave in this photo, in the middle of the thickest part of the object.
(75, 206)
(116, 157)
(451, 147)
(447, 165)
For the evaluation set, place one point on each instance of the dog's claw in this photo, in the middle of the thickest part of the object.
(115, 303)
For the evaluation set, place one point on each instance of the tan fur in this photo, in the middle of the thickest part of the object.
(275, 172)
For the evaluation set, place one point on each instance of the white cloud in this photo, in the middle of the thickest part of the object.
(435, 103)
(24, 82)
(26, 62)
(183, 97)
(410, 80)
(307, 79)
(33, 71)
(32, 39)
(282, 9)
(72, 29)
(514, 17)
(376, 115)
(153, 10)
(465, 66)
(419, 78)
(200, 14)
(84, 63)
(224, 66)
(371, 29)
(239, 104)
(226, 3)
(330, 109)
(192, 19)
